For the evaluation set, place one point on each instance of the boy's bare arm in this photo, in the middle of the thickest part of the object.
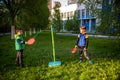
(86, 41)
(20, 41)
(77, 41)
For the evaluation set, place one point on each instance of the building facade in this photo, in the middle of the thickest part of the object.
(85, 17)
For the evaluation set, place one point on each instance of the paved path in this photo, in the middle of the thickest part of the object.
(2, 34)
(96, 36)
(71, 34)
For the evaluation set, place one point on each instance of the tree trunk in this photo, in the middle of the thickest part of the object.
(34, 30)
(30, 31)
(12, 31)
(40, 30)
(25, 33)
(12, 27)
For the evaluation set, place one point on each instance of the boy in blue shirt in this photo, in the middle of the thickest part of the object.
(82, 44)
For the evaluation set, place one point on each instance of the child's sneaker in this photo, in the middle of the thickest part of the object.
(90, 61)
(79, 61)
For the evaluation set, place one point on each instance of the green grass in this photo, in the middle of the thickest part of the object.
(104, 52)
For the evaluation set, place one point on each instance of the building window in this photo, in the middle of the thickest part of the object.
(93, 15)
(67, 14)
(78, 13)
(64, 16)
(83, 13)
(71, 14)
(87, 13)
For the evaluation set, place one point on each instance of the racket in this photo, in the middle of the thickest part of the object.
(74, 50)
(31, 41)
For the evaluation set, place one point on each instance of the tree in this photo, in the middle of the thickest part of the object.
(116, 3)
(107, 14)
(110, 18)
(36, 14)
(57, 22)
(73, 24)
(4, 16)
(13, 7)
(68, 24)
(116, 21)
(27, 13)
(4, 21)
(76, 22)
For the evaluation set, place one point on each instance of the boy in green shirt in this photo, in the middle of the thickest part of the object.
(19, 46)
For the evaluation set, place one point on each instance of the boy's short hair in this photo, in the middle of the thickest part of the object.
(82, 27)
(18, 29)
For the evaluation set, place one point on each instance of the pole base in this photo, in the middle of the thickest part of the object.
(56, 63)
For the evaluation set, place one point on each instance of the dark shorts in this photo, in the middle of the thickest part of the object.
(19, 50)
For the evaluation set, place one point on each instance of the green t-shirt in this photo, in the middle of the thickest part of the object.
(19, 46)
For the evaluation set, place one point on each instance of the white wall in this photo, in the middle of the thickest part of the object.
(68, 8)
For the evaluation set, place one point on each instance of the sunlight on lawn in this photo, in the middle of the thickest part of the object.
(37, 56)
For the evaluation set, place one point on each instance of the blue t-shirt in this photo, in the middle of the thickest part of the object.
(82, 40)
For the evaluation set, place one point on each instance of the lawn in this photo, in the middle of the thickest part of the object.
(104, 52)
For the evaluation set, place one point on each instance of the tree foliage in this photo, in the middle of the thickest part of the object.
(116, 21)
(26, 13)
(110, 17)
(73, 24)
(35, 15)
(57, 22)
(108, 14)
(4, 16)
